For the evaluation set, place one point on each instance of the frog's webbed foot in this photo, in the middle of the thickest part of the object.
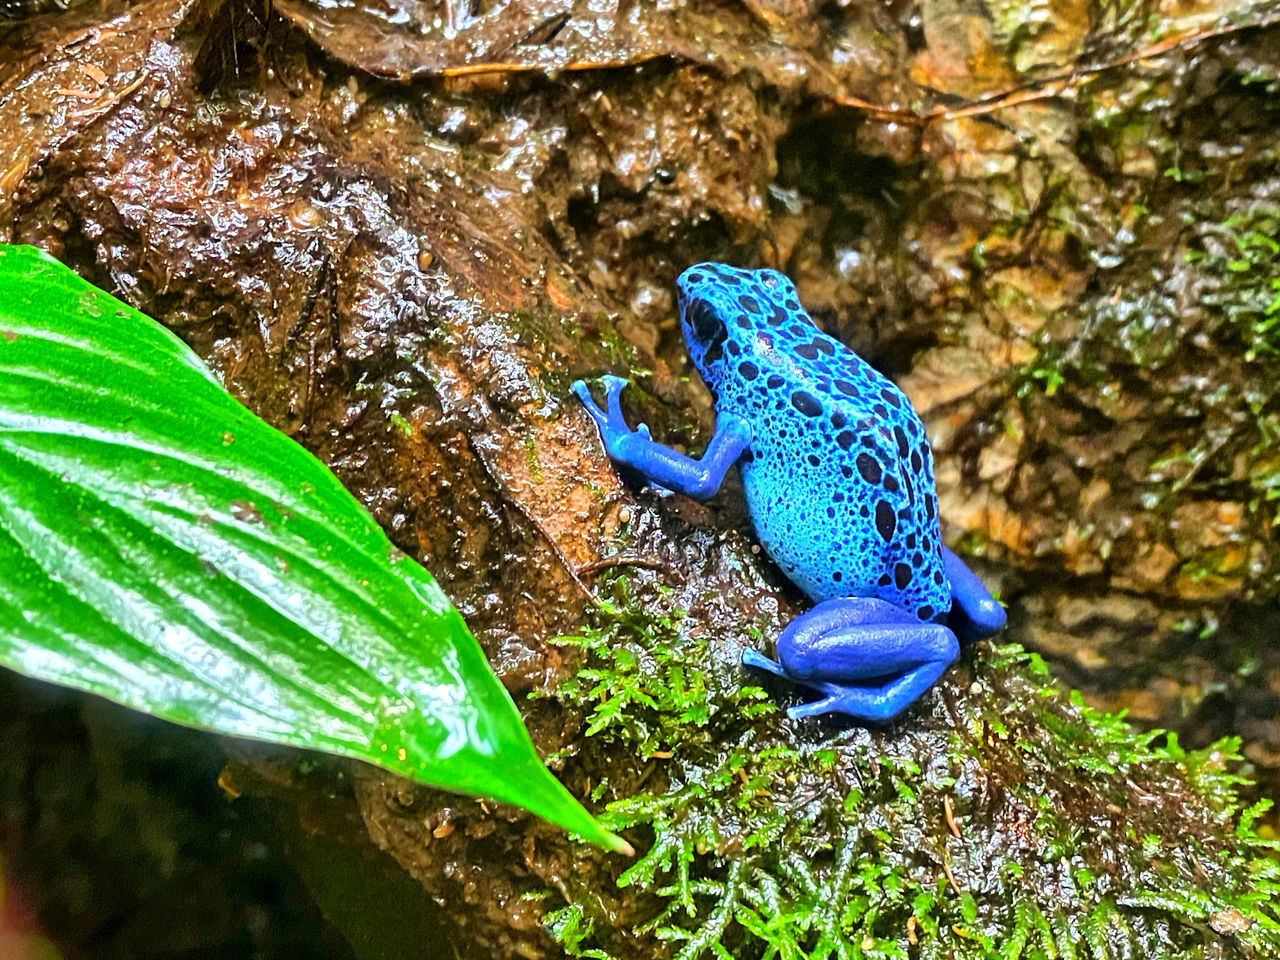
(612, 424)
(658, 464)
(869, 659)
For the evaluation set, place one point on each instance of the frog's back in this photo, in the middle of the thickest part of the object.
(839, 476)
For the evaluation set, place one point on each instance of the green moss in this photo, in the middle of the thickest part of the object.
(400, 423)
(1044, 374)
(1242, 255)
(532, 461)
(1173, 358)
(650, 691)
(1015, 822)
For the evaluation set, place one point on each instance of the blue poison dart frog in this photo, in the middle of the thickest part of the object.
(839, 481)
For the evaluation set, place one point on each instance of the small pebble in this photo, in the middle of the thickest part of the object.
(624, 515)
(975, 688)
(304, 216)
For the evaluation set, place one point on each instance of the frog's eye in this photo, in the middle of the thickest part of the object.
(707, 325)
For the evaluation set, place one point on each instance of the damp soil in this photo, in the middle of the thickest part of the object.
(397, 231)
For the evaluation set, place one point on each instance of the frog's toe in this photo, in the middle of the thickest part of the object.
(753, 658)
(613, 387)
(860, 704)
(583, 393)
(814, 708)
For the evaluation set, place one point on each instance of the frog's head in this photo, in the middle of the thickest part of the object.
(723, 308)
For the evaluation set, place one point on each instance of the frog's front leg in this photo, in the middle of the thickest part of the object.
(869, 658)
(975, 614)
(661, 465)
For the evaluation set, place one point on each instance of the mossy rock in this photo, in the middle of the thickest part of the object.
(1000, 817)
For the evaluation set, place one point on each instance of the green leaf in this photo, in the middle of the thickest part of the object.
(163, 547)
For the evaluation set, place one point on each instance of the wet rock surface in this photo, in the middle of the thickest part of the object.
(1118, 442)
(1057, 245)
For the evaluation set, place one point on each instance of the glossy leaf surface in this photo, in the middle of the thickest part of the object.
(163, 547)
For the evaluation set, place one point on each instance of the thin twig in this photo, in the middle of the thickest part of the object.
(950, 815)
(497, 478)
(101, 108)
(1049, 87)
(625, 560)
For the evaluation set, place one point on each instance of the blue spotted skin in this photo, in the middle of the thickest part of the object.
(839, 482)
(826, 423)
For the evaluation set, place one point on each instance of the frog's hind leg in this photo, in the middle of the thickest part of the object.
(975, 614)
(870, 659)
